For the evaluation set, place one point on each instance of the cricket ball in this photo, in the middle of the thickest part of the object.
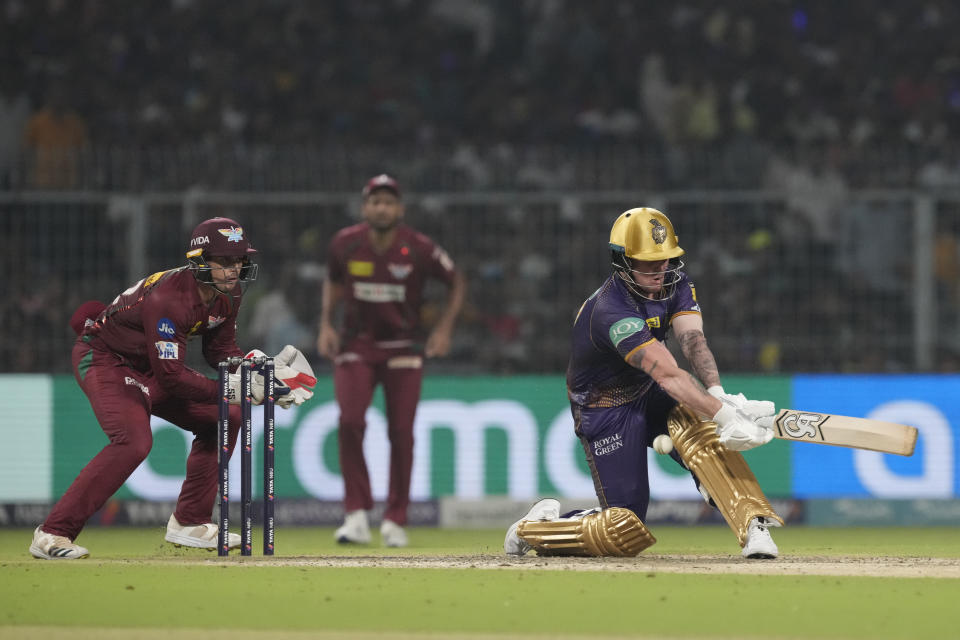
(663, 444)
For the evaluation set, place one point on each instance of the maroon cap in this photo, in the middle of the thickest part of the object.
(85, 315)
(219, 237)
(382, 181)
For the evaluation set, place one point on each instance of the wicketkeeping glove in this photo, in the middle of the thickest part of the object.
(256, 387)
(294, 376)
(294, 369)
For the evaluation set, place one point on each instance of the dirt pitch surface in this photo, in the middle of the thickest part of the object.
(880, 567)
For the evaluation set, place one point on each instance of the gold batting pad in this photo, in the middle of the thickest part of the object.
(723, 472)
(612, 532)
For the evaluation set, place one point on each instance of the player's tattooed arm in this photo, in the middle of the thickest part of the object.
(656, 360)
(696, 382)
(639, 360)
(693, 344)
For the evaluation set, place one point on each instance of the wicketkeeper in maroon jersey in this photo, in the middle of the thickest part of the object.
(378, 269)
(129, 361)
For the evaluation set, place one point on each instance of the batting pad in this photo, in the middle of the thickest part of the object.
(612, 532)
(723, 472)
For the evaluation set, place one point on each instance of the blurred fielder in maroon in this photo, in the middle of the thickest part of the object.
(377, 269)
(129, 361)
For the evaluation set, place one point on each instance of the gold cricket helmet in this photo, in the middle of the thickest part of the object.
(644, 234)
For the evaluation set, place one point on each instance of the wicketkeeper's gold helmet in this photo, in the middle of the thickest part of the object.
(644, 234)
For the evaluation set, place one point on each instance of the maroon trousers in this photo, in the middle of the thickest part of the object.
(354, 382)
(123, 400)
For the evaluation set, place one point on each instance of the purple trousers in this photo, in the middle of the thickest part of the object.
(615, 440)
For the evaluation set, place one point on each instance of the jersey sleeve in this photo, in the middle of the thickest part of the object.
(165, 328)
(685, 299)
(439, 263)
(620, 331)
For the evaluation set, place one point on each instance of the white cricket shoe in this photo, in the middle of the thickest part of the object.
(355, 529)
(52, 547)
(393, 534)
(546, 509)
(759, 543)
(201, 536)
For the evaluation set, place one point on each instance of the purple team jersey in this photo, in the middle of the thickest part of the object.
(611, 325)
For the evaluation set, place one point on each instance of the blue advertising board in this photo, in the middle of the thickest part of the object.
(929, 403)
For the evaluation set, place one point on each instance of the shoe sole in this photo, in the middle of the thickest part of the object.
(184, 542)
(37, 553)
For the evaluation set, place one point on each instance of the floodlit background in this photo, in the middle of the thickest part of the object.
(806, 153)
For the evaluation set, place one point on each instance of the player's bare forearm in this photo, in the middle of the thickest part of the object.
(657, 362)
(328, 340)
(458, 292)
(694, 346)
(438, 343)
(330, 300)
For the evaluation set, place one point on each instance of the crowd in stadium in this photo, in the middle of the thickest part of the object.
(811, 99)
(660, 76)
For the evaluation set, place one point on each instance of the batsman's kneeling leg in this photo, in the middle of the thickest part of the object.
(612, 532)
(724, 473)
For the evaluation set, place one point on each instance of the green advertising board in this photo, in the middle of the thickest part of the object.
(475, 437)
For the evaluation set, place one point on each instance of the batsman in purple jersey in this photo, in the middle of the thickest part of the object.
(129, 361)
(618, 409)
(625, 389)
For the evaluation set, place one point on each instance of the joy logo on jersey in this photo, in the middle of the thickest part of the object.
(625, 328)
(166, 328)
(214, 321)
(801, 425)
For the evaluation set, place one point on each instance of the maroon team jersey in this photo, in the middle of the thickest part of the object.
(383, 292)
(148, 326)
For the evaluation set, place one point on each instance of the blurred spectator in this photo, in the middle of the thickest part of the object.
(816, 189)
(513, 98)
(606, 119)
(453, 75)
(54, 136)
(14, 112)
(283, 315)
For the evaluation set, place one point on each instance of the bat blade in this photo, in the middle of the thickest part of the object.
(845, 431)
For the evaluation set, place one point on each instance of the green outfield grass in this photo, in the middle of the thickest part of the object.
(135, 585)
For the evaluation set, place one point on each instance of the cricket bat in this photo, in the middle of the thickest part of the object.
(845, 431)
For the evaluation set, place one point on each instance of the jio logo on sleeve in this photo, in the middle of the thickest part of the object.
(165, 328)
